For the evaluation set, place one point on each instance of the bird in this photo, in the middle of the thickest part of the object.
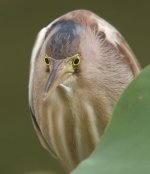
(80, 65)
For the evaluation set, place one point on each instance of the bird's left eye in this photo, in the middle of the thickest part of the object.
(46, 59)
(76, 60)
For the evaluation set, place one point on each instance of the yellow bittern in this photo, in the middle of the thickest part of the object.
(80, 65)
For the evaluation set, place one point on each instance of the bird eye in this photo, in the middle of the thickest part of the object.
(76, 60)
(46, 59)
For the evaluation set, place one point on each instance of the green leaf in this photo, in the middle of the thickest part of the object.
(125, 147)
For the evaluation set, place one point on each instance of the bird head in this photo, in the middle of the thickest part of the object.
(61, 71)
(65, 56)
(77, 52)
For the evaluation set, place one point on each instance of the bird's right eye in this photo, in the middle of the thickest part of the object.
(46, 59)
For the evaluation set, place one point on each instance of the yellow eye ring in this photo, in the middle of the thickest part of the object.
(76, 60)
(46, 59)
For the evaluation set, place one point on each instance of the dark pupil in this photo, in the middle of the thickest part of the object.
(76, 61)
(47, 60)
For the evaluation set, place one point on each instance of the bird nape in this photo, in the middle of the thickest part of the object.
(80, 65)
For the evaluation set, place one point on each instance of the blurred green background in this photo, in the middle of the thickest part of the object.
(20, 20)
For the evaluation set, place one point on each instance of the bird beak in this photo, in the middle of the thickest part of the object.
(52, 76)
(56, 74)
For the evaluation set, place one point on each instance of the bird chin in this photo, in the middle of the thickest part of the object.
(69, 82)
(66, 84)
(67, 89)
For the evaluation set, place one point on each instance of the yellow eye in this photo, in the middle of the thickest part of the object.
(76, 60)
(46, 59)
